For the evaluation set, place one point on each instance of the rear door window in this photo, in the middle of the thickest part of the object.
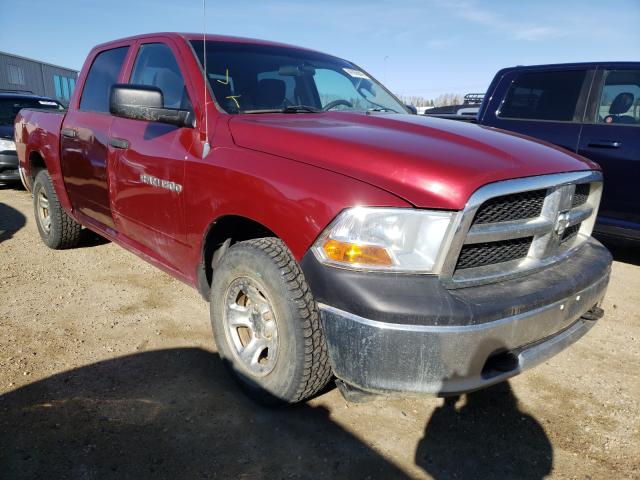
(102, 75)
(544, 96)
(620, 98)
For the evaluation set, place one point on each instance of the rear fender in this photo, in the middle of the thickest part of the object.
(38, 134)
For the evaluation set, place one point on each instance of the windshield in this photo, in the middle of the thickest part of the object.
(9, 107)
(250, 78)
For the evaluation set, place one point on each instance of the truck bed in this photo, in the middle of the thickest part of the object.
(37, 135)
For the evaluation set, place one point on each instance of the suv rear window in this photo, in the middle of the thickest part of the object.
(544, 96)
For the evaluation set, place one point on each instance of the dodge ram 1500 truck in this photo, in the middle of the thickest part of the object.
(333, 233)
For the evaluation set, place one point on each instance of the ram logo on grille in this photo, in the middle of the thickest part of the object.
(562, 222)
(515, 226)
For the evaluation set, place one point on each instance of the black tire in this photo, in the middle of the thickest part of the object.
(301, 367)
(63, 232)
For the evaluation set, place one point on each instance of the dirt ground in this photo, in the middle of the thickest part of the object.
(108, 370)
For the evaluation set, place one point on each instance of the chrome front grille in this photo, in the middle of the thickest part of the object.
(490, 253)
(517, 226)
(516, 206)
(581, 195)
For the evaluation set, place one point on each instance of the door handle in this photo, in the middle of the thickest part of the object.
(68, 132)
(119, 143)
(605, 144)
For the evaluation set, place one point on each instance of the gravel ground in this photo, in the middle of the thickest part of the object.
(108, 370)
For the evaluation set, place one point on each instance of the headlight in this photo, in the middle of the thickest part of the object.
(7, 145)
(388, 239)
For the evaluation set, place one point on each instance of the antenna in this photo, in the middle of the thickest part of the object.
(206, 147)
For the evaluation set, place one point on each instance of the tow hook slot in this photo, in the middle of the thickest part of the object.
(499, 363)
(596, 313)
(354, 394)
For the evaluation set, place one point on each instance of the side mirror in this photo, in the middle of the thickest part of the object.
(412, 108)
(145, 102)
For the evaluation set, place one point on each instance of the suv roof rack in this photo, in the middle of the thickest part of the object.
(473, 98)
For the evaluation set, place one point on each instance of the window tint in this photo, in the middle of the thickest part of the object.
(251, 78)
(333, 85)
(544, 96)
(102, 74)
(157, 66)
(620, 99)
(289, 84)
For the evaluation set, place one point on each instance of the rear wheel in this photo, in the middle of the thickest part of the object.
(57, 229)
(266, 323)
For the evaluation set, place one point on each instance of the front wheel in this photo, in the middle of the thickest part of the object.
(266, 324)
(57, 229)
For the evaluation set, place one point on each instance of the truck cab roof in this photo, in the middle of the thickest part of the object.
(199, 36)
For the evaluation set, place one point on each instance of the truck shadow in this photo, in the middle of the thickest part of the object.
(89, 238)
(177, 414)
(11, 220)
(488, 437)
(169, 414)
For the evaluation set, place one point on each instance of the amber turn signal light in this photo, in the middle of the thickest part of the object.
(356, 254)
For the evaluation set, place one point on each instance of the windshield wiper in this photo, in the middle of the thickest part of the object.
(300, 108)
(381, 109)
(287, 109)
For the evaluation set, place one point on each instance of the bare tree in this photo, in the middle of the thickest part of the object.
(448, 99)
(440, 101)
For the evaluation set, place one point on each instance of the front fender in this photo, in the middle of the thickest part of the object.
(296, 201)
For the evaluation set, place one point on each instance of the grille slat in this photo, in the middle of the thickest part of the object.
(516, 206)
(570, 232)
(480, 254)
(581, 195)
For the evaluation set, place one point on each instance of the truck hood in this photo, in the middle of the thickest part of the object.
(429, 162)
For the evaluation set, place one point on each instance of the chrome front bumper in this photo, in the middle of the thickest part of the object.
(382, 357)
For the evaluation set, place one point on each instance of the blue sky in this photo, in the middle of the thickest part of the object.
(425, 47)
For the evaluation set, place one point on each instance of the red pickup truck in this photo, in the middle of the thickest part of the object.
(334, 233)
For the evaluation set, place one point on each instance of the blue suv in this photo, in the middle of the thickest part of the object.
(592, 109)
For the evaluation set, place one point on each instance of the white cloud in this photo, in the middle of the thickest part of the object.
(474, 12)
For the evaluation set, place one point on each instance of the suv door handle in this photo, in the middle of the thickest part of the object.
(119, 143)
(605, 144)
(68, 132)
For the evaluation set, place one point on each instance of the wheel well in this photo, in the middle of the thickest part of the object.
(36, 162)
(221, 234)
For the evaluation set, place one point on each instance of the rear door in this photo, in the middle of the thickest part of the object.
(545, 104)
(149, 159)
(84, 139)
(611, 137)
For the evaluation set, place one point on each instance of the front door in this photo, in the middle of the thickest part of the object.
(148, 168)
(612, 139)
(84, 140)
